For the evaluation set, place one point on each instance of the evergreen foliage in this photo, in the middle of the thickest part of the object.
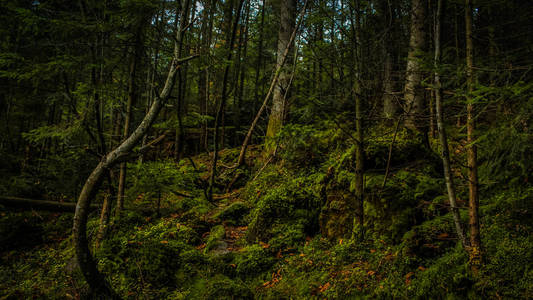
(349, 199)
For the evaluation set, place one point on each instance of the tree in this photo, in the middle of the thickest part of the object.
(413, 91)
(132, 96)
(121, 153)
(445, 154)
(473, 195)
(357, 94)
(273, 83)
(387, 11)
(279, 98)
(224, 95)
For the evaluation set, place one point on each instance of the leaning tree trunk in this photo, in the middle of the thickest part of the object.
(475, 239)
(121, 153)
(279, 101)
(442, 131)
(413, 92)
(273, 83)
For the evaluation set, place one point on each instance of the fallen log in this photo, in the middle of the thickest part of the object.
(56, 206)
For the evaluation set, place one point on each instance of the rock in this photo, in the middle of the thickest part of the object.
(337, 215)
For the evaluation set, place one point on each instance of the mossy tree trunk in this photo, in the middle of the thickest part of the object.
(279, 101)
(473, 196)
(413, 91)
(385, 8)
(359, 150)
(273, 83)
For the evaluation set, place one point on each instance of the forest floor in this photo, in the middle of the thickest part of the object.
(274, 234)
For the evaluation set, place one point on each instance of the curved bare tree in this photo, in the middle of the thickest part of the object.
(121, 153)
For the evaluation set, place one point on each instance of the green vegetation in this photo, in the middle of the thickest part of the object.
(252, 149)
(266, 242)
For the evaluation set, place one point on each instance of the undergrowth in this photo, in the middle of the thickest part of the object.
(265, 239)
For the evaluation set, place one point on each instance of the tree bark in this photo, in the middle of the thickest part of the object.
(88, 266)
(475, 239)
(243, 47)
(46, 205)
(223, 99)
(389, 104)
(259, 64)
(413, 92)
(248, 138)
(445, 154)
(132, 95)
(182, 82)
(203, 84)
(105, 214)
(359, 154)
(279, 101)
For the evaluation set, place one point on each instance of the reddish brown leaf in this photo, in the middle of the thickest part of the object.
(443, 236)
(324, 287)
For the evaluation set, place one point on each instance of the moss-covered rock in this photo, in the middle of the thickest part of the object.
(215, 242)
(253, 260)
(233, 214)
(295, 201)
(337, 215)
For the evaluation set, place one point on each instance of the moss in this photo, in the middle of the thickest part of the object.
(233, 214)
(410, 249)
(252, 261)
(294, 201)
(448, 275)
(221, 287)
(214, 240)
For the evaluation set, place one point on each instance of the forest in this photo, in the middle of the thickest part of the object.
(266, 149)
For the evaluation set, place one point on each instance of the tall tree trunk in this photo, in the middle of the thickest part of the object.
(203, 94)
(475, 238)
(389, 104)
(279, 101)
(132, 95)
(273, 84)
(413, 92)
(458, 59)
(243, 48)
(445, 154)
(357, 81)
(182, 81)
(259, 64)
(223, 99)
(387, 17)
